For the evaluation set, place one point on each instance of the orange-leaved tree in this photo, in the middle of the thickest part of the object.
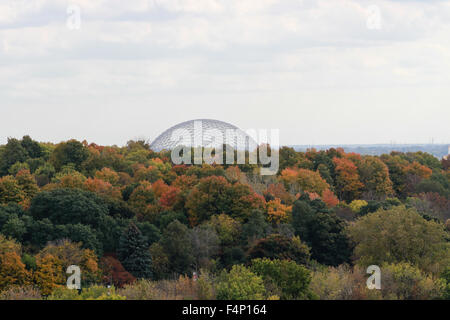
(348, 184)
(278, 212)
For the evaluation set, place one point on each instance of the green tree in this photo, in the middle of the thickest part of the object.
(445, 276)
(375, 177)
(240, 284)
(18, 166)
(288, 157)
(227, 228)
(14, 228)
(160, 261)
(322, 231)
(424, 158)
(215, 195)
(325, 173)
(150, 232)
(10, 190)
(166, 217)
(80, 233)
(255, 228)
(134, 254)
(205, 245)
(280, 247)
(12, 152)
(431, 186)
(177, 245)
(69, 206)
(232, 256)
(70, 152)
(396, 165)
(286, 278)
(32, 147)
(44, 173)
(27, 183)
(400, 235)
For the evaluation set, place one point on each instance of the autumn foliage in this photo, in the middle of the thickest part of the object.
(131, 219)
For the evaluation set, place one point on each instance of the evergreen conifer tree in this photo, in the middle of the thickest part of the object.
(134, 253)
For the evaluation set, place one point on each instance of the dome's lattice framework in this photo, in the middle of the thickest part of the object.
(202, 133)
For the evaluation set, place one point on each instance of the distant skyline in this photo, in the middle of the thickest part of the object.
(438, 150)
(323, 72)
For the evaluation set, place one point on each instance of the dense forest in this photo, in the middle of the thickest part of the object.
(140, 227)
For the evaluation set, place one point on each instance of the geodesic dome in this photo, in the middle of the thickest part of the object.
(203, 133)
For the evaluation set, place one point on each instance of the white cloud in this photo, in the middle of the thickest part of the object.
(208, 53)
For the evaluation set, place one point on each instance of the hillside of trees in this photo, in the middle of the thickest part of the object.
(140, 227)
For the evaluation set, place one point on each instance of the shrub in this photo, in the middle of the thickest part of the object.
(406, 282)
(91, 293)
(290, 280)
(240, 284)
(21, 293)
(341, 283)
(182, 288)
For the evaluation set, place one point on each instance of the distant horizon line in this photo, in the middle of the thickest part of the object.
(137, 138)
(370, 144)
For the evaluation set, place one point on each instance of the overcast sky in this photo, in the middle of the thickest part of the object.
(321, 71)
